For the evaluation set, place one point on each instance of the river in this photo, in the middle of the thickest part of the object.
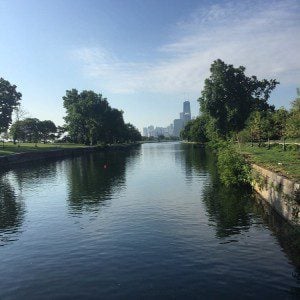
(151, 223)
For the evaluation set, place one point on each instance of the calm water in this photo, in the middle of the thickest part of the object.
(155, 223)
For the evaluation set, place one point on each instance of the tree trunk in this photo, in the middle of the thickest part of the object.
(284, 147)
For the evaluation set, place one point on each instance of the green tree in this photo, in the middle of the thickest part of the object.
(185, 133)
(85, 115)
(9, 100)
(16, 131)
(229, 96)
(31, 129)
(280, 118)
(132, 134)
(195, 130)
(293, 122)
(90, 119)
(258, 126)
(46, 128)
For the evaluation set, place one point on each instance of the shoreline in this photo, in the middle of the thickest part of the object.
(279, 191)
(24, 157)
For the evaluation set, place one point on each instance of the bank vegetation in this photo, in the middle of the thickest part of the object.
(239, 124)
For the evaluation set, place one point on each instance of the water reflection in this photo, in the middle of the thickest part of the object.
(11, 212)
(228, 209)
(287, 236)
(233, 211)
(92, 179)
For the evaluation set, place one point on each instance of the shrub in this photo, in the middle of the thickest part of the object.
(233, 168)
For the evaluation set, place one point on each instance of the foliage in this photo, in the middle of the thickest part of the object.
(9, 100)
(47, 130)
(195, 130)
(280, 117)
(293, 122)
(229, 96)
(91, 120)
(32, 130)
(232, 167)
(260, 126)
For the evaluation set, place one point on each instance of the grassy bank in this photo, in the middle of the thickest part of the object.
(10, 148)
(286, 162)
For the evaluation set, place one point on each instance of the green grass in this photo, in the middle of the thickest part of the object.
(10, 148)
(286, 162)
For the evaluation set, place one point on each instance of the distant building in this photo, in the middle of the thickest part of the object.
(178, 126)
(145, 131)
(186, 112)
(186, 107)
(173, 129)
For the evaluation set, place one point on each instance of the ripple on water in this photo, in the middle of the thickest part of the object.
(155, 224)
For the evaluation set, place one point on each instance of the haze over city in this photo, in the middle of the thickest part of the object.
(143, 56)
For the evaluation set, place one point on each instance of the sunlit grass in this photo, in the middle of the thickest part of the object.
(10, 148)
(284, 162)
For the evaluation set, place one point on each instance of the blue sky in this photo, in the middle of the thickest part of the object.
(145, 56)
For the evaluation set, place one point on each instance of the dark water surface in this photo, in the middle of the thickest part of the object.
(154, 224)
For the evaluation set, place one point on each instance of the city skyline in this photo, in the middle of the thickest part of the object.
(174, 128)
(141, 55)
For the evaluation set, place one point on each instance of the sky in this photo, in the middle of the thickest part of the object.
(145, 56)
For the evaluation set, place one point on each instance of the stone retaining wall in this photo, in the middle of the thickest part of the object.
(281, 193)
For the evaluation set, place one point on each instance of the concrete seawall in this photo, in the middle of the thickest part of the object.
(19, 158)
(281, 193)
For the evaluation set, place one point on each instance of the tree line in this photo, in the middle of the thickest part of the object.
(89, 120)
(235, 106)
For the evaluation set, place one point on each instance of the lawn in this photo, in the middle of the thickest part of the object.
(10, 148)
(284, 162)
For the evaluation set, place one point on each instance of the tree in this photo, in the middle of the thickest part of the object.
(85, 112)
(132, 134)
(31, 130)
(293, 122)
(195, 130)
(280, 117)
(229, 96)
(61, 130)
(90, 119)
(9, 100)
(16, 131)
(46, 128)
(185, 133)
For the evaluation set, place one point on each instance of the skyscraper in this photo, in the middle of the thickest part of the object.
(178, 125)
(186, 112)
(186, 107)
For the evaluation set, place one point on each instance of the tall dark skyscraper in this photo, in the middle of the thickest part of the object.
(186, 111)
(186, 107)
(185, 117)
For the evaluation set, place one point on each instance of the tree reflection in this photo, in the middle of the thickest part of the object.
(232, 211)
(287, 236)
(94, 178)
(36, 172)
(11, 212)
(195, 158)
(228, 208)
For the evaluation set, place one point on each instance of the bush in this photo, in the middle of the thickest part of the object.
(232, 167)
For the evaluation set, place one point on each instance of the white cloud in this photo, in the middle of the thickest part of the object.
(262, 36)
